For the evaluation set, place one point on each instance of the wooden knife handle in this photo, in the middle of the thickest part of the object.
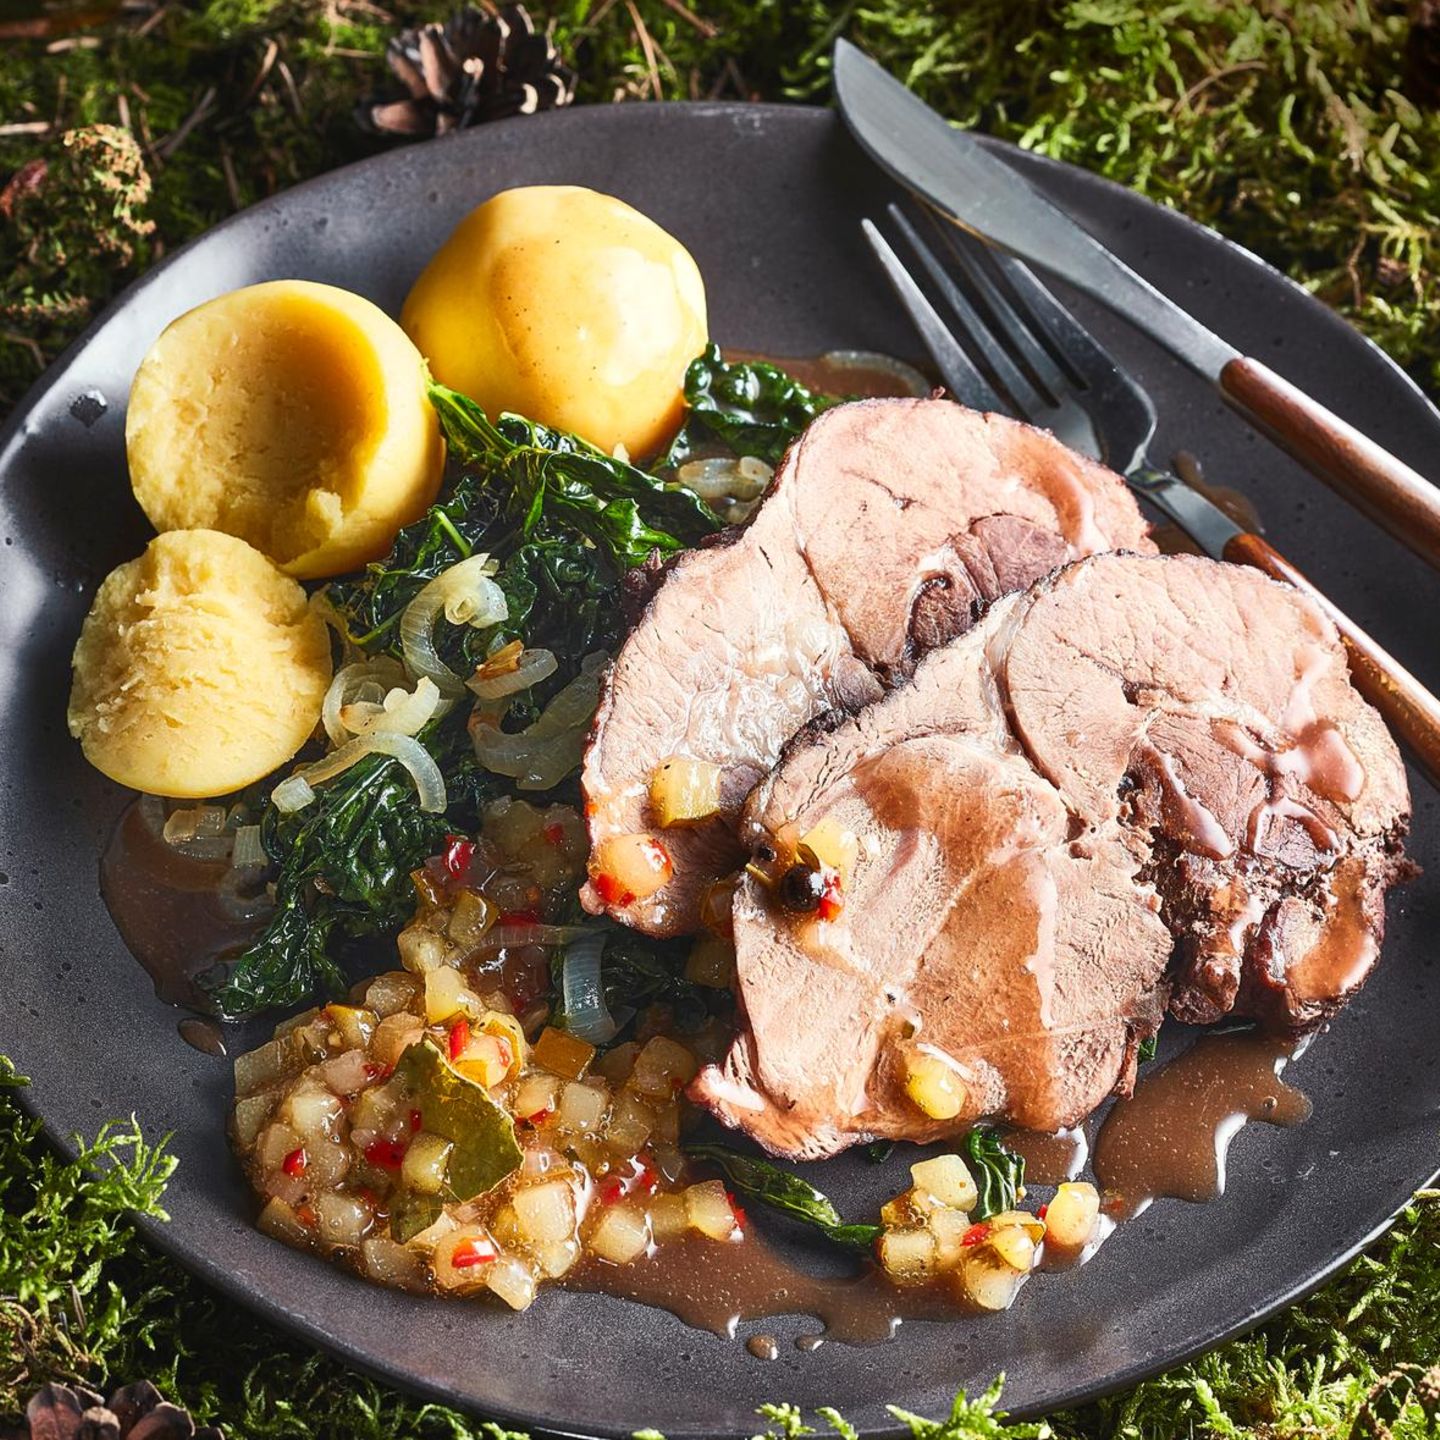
(1396, 497)
(1410, 710)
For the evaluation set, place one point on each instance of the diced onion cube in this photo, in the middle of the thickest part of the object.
(631, 1121)
(934, 1085)
(347, 1074)
(426, 1162)
(546, 1212)
(393, 1264)
(343, 1219)
(394, 1035)
(910, 1257)
(1014, 1246)
(948, 1179)
(390, 993)
(486, 1059)
(669, 1217)
(831, 846)
(471, 919)
(662, 1068)
(447, 994)
(949, 1227)
(354, 1023)
(421, 949)
(462, 1257)
(581, 1107)
(711, 963)
(280, 1221)
(622, 1234)
(312, 1109)
(626, 868)
(249, 1117)
(1071, 1217)
(276, 1142)
(557, 1257)
(563, 1054)
(535, 1098)
(273, 1061)
(512, 1280)
(986, 1281)
(710, 1211)
(617, 1062)
(1032, 1225)
(683, 791)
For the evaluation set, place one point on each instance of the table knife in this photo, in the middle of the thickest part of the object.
(951, 170)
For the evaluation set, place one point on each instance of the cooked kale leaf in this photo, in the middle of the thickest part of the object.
(998, 1172)
(781, 1190)
(564, 521)
(748, 406)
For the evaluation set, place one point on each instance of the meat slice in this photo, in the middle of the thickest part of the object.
(889, 525)
(1145, 782)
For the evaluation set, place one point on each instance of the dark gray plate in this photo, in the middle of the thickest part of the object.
(768, 199)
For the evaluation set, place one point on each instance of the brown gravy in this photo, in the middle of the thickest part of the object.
(166, 907)
(1235, 503)
(1170, 1138)
(203, 1035)
(714, 1286)
(1050, 1159)
(822, 374)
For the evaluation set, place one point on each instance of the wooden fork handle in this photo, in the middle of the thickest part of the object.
(1410, 710)
(1386, 489)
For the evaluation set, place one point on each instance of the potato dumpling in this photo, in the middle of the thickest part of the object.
(291, 414)
(200, 668)
(566, 306)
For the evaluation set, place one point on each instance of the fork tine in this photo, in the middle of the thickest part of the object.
(1077, 348)
(1008, 320)
(1024, 397)
(957, 370)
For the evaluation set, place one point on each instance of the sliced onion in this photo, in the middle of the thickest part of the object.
(543, 754)
(466, 595)
(292, 794)
(512, 937)
(583, 993)
(406, 712)
(249, 853)
(350, 686)
(238, 901)
(907, 375)
(429, 782)
(725, 477)
(531, 668)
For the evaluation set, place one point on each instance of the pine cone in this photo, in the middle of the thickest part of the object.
(477, 66)
(137, 1412)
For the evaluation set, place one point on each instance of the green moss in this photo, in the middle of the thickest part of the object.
(1287, 126)
(81, 1297)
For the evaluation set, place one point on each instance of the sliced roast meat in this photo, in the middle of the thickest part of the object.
(889, 525)
(1145, 782)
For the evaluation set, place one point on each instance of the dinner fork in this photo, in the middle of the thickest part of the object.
(1016, 349)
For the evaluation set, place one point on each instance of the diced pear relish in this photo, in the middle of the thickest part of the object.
(365, 1125)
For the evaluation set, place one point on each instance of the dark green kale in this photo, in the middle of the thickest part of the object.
(564, 521)
(781, 1190)
(749, 407)
(637, 972)
(998, 1172)
(343, 867)
(1147, 1047)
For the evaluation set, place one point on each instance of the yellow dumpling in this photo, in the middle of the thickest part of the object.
(200, 668)
(291, 414)
(566, 306)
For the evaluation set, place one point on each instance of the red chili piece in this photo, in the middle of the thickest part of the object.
(611, 1191)
(416, 1120)
(388, 1154)
(832, 898)
(1041, 1213)
(295, 1162)
(478, 1251)
(975, 1234)
(459, 1038)
(306, 1215)
(737, 1212)
(611, 891)
(457, 855)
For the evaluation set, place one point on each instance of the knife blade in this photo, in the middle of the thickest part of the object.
(1197, 515)
(953, 172)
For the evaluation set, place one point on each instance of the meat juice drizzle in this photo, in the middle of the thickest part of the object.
(1171, 1137)
(169, 911)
